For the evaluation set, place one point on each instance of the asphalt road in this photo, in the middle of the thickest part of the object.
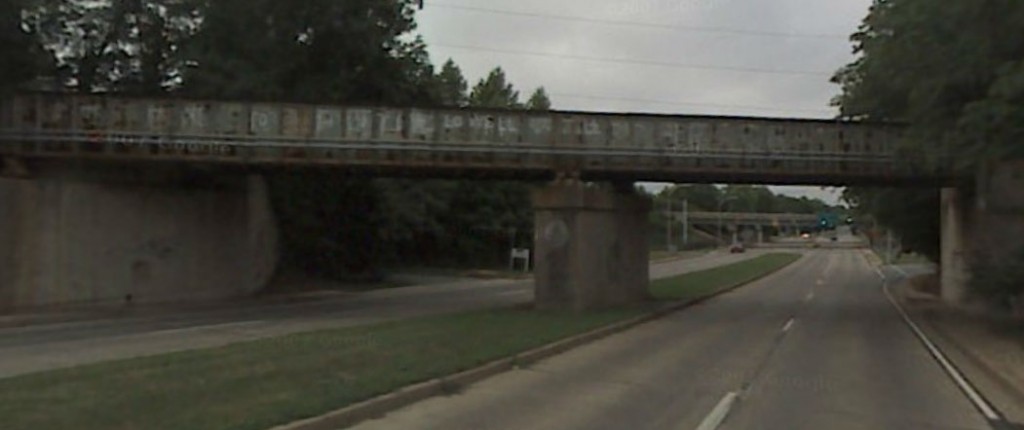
(815, 346)
(148, 331)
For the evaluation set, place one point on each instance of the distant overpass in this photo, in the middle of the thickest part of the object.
(752, 219)
(453, 142)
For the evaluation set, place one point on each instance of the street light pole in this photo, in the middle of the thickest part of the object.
(668, 225)
(686, 223)
(721, 202)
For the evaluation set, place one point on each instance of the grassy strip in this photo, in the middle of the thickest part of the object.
(256, 385)
(656, 256)
(696, 284)
(259, 384)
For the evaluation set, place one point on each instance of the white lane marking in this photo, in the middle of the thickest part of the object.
(820, 282)
(965, 386)
(789, 325)
(810, 296)
(718, 414)
(829, 266)
(899, 269)
(880, 274)
(206, 327)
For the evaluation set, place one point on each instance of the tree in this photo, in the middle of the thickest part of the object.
(16, 46)
(495, 92)
(539, 100)
(954, 77)
(353, 51)
(323, 51)
(116, 45)
(451, 86)
(913, 214)
(951, 73)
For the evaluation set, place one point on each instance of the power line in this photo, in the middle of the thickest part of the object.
(634, 61)
(704, 105)
(697, 29)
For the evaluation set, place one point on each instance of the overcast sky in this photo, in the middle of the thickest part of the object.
(727, 57)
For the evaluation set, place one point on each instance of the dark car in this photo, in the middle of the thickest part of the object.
(737, 248)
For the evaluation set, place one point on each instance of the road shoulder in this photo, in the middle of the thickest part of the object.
(988, 351)
(981, 347)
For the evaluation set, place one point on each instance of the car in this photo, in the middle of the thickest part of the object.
(806, 235)
(737, 248)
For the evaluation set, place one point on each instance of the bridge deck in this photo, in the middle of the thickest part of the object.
(512, 143)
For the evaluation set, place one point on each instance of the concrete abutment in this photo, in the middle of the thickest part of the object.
(984, 223)
(73, 236)
(591, 246)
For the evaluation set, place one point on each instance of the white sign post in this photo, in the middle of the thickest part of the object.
(519, 254)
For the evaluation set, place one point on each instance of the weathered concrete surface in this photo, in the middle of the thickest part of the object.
(70, 237)
(591, 246)
(954, 275)
(984, 225)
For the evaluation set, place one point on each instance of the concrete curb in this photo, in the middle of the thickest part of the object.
(378, 406)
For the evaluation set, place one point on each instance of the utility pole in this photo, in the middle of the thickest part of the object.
(722, 200)
(888, 246)
(669, 243)
(686, 223)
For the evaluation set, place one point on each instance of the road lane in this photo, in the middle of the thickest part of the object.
(666, 374)
(35, 348)
(845, 362)
(850, 362)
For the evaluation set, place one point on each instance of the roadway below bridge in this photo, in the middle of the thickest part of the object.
(817, 345)
(155, 330)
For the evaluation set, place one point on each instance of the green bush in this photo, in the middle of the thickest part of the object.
(999, 277)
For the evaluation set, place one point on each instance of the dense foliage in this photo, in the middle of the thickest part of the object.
(740, 198)
(352, 51)
(954, 73)
(20, 56)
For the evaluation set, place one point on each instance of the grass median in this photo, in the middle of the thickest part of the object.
(701, 283)
(259, 384)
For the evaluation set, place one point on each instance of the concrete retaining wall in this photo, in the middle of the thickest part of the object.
(68, 237)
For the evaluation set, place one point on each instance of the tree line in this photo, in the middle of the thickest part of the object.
(319, 51)
(954, 74)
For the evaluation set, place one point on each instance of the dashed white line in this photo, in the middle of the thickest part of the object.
(809, 297)
(789, 325)
(210, 327)
(718, 414)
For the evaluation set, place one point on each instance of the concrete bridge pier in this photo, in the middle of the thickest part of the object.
(954, 275)
(591, 246)
(983, 226)
(109, 236)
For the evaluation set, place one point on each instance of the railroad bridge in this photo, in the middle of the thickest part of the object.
(100, 197)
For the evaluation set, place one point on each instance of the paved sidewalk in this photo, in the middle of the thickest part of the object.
(989, 350)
